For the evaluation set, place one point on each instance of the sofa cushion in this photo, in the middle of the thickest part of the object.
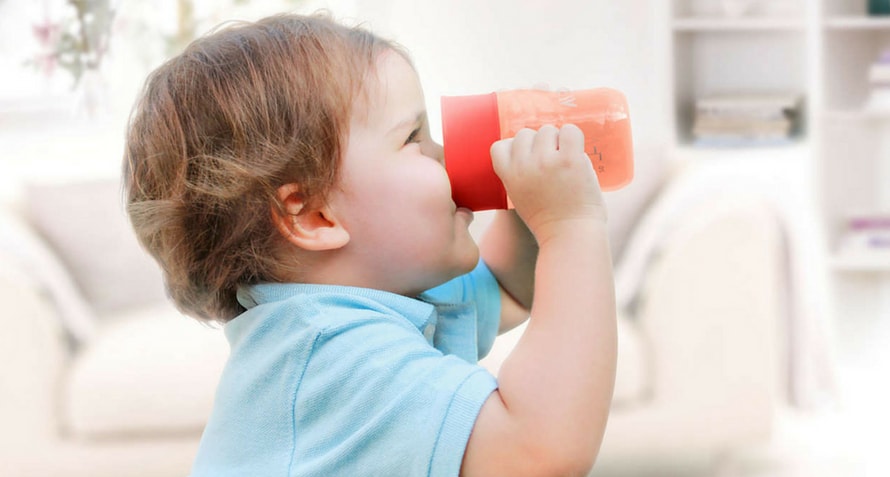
(39, 267)
(632, 381)
(85, 224)
(150, 372)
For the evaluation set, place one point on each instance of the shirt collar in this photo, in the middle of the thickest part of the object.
(420, 313)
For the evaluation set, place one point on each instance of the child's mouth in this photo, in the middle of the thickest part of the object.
(466, 212)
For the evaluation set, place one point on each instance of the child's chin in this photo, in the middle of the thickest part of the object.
(471, 260)
(465, 266)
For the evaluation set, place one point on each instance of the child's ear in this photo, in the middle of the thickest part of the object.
(314, 229)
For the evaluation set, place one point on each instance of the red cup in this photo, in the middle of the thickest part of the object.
(471, 124)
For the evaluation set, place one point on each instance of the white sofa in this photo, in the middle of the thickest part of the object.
(700, 369)
(100, 377)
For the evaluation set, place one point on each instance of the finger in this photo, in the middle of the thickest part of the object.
(571, 138)
(522, 142)
(500, 153)
(546, 140)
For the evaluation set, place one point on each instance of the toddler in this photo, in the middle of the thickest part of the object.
(282, 174)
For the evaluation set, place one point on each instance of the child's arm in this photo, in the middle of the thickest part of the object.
(510, 251)
(550, 410)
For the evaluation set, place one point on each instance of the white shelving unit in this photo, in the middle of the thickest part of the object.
(704, 24)
(822, 50)
(855, 22)
(855, 149)
(714, 53)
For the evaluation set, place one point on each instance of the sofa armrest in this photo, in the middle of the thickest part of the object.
(33, 350)
(711, 307)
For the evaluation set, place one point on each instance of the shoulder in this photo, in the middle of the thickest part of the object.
(352, 374)
(384, 396)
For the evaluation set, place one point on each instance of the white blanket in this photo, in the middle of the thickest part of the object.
(781, 181)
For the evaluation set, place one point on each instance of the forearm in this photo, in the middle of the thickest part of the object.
(510, 251)
(554, 390)
(557, 383)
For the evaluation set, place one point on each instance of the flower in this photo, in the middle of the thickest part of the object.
(78, 42)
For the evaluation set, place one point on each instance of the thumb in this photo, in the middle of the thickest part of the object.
(500, 155)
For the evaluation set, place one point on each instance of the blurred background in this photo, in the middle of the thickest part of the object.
(752, 250)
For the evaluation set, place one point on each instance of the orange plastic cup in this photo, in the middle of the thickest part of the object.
(471, 124)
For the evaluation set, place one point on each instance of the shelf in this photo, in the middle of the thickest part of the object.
(841, 115)
(753, 24)
(858, 22)
(861, 262)
(795, 151)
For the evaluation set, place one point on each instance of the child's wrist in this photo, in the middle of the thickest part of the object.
(582, 227)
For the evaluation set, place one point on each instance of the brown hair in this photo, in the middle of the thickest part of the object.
(219, 128)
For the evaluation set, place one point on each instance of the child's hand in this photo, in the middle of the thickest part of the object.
(549, 178)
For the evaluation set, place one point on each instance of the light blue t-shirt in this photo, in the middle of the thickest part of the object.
(335, 381)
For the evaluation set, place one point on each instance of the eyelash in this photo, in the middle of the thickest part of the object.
(413, 136)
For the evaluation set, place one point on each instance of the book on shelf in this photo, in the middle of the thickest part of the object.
(866, 233)
(746, 119)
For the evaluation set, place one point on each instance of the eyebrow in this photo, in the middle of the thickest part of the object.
(412, 121)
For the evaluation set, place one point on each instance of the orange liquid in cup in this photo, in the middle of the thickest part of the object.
(471, 124)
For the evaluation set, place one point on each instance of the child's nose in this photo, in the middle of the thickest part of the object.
(437, 152)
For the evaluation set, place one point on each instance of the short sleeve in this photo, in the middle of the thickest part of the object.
(377, 399)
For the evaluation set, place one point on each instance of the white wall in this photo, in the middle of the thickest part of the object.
(472, 46)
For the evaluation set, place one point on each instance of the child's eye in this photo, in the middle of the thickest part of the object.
(413, 137)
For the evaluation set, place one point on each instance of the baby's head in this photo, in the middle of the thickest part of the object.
(216, 133)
